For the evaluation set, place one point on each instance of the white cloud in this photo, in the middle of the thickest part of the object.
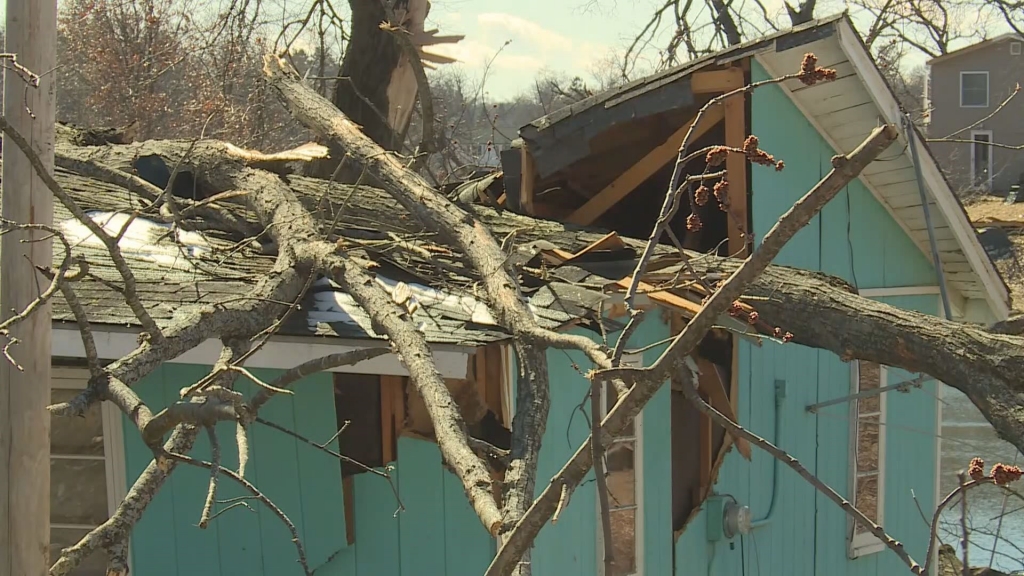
(531, 47)
(524, 31)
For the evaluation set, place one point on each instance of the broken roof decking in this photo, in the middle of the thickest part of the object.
(843, 112)
(570, 129)
(377, 228)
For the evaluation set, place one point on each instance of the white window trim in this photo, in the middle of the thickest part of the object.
(938, 441)
(636, 361)
(920, 291)
(991, 150)
(865, 543)
(1015, 48)
(113, 442)
(988, 89)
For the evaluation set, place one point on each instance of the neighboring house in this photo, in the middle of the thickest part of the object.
(965, 89)
(671, 473)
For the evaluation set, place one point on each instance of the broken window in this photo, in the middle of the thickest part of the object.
(698, 445)
(357, 403)
(868, 454)
(479, 397)
(81, 469)
(623, 466)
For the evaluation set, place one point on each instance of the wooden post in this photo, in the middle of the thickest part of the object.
(31, 27)
(739, 239)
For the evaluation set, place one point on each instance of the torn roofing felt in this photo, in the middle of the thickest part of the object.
(177, 269)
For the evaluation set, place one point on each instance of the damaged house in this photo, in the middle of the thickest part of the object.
(584, 181)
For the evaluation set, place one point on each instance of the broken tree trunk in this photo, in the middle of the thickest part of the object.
(371, 58)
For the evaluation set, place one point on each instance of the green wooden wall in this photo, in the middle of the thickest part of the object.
(304, 482)
(438, 533)
(569, 547)
(856, 239)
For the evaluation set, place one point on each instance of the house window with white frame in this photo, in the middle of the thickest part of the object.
(867, 454)
(974, 89)
(623, 465)
(86, 469)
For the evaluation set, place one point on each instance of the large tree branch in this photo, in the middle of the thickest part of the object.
(411, 346)
(984, 365)
(302, 252)
(483, 253)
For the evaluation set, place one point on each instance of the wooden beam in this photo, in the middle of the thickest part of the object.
(714, 389)
(636, 174)
(736, 167)
(528, 179)
(494, 376)
(662, 297)
(31, 27)
(716, 81)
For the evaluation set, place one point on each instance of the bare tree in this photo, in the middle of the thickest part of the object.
(930, 27)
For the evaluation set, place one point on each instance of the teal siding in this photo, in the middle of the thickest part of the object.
(856, 239)
(305, 484)
(438, 533)
(569, 547)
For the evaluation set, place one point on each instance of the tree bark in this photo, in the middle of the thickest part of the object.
(821, 313)
(370, 60)
(825, 312)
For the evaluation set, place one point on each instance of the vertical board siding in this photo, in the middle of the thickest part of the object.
(569, 547)
(437, 533)
(856, 239)
(304, 482)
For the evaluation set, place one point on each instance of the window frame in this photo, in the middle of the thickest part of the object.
(988, 88)
(974, 143)
(635, 361)
(115, 470)
(864, 543)
(1015, 46)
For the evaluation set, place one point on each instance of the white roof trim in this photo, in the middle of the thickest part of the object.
(949, 206)
(281, 353)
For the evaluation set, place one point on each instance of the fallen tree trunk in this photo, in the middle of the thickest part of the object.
(824, 312)
(985, 366)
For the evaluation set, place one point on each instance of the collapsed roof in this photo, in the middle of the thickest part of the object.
(568, 273)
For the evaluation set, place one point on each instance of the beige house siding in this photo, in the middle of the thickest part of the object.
(1005, 71)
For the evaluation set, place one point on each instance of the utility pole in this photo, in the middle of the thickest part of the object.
(31, 34)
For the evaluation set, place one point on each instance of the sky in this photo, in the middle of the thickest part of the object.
(520, 38)
(570, 36)
(559, 35)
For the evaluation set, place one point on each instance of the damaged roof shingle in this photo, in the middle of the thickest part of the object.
(178, 269)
